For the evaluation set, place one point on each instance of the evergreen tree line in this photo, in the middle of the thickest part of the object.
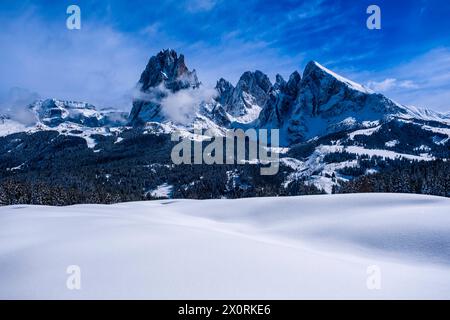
(431, 178)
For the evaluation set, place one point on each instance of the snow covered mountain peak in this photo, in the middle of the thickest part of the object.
(245, 102)
(318, 103)
(323, 102)
(315, 69)
(165, 73)
(225, 91)
(331, 126)
(315, 104)
(168, 68)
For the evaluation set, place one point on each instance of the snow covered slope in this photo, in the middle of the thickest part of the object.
(69, 118)
(53, 112)
(9, 126)
(233, 249)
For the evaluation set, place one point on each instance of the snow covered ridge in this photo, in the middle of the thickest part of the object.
(350, 83)
(318, 103)
(265, 248)
(52, 112)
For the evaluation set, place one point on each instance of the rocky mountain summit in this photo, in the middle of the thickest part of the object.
(244, 102)
(165, 73)
(318, 103)
(323, 102)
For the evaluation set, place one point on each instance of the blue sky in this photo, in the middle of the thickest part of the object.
(408, 59)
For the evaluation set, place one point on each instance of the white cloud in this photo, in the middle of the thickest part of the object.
(391, 83)
(182, 106)
(423, 81)
(408, 84)
(384, 85)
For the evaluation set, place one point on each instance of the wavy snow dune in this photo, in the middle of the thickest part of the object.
(265, 248)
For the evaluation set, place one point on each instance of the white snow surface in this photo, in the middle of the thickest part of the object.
(8, 127)
(391, 143)
(426, 114)
(363, 132)
(350, 83)
(162, 191)
(263, 248)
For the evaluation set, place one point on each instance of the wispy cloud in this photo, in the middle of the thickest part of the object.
(182, 106)
(390, 84)
(422, 81)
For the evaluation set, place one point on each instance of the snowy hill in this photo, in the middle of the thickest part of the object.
(266, 248)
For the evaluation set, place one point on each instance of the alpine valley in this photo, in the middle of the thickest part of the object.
(336, 136)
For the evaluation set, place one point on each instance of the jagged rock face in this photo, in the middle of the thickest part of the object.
(165, 72)
(293, 84)
(168, 68)
(225, 91)
(279, 84)
(246, 100)
(327, 103)
(218, 115)
(281, 98)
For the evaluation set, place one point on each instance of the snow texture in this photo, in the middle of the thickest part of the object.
(265, 248)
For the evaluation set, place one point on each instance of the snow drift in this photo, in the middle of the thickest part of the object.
(264, 248)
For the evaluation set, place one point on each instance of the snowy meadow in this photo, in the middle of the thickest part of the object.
(362, 246)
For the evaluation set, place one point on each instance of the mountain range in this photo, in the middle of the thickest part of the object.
(332, 129)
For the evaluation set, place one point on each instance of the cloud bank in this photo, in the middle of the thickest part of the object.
(182, 106)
